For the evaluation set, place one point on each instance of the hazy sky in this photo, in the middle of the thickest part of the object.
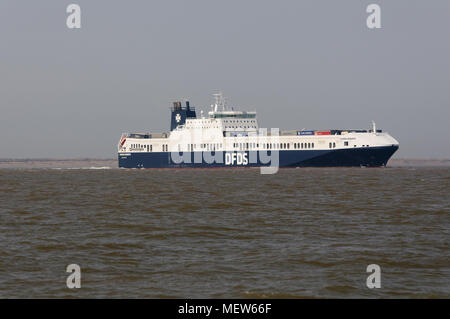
(301, 64)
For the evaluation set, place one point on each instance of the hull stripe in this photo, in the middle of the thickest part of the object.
(369, 156)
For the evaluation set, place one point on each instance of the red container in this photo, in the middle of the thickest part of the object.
(323, 133)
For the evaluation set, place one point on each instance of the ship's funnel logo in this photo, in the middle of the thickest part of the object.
(178, 118)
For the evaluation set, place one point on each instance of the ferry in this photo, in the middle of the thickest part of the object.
(230, 138)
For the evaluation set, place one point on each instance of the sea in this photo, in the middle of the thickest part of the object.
(225, 233)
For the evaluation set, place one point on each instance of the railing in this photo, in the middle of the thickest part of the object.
(144, 135)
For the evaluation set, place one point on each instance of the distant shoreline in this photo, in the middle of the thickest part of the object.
(57, 163)
(112, 163)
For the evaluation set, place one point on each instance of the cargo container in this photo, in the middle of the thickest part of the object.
(305, 132)
(323, 133)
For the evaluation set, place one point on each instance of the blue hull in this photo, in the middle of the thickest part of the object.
(368, 156)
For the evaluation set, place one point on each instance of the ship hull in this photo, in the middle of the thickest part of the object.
(351, 157)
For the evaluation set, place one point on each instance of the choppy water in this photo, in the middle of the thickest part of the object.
(225, 233)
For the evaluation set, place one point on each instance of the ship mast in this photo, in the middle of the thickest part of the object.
(220, 102)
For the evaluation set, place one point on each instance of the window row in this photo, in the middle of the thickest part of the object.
(240, 146)
(245, 126)
(303, 145)
(141, 147)
(208, 147)
(239, 121)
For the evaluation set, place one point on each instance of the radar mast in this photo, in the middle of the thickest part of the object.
(220, 102)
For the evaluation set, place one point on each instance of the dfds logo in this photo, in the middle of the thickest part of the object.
(236, 158)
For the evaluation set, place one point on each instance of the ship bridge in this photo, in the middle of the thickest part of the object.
(221, 120)
(232, 115)
(231, 120)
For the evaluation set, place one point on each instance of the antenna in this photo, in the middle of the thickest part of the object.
(220, 101)
(224, 101)
(374, 126)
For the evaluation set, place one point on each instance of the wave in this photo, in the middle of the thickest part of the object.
(91, 167)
